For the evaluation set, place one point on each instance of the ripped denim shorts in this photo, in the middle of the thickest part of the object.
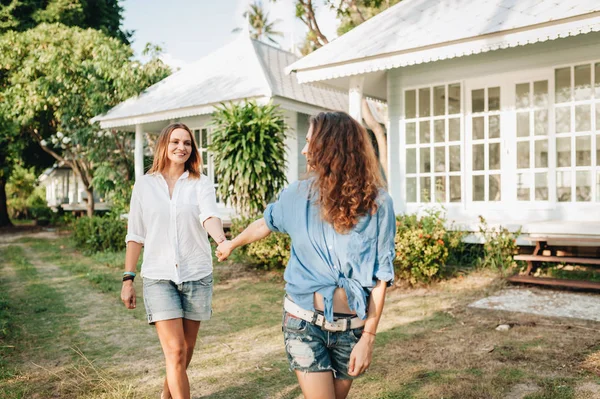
(311, 349)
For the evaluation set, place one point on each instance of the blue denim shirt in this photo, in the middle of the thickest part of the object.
(322, 259)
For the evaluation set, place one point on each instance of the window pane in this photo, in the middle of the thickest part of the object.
(425, 102)
(440, 189)
(424, 132)
(495, 156)
(522, 95)
(411, 160)
(583, 189)
(440, 159)
(494, 128)
(540, 93)
(523, 155)
(541, 153)
(425, 189)
(411, 189)
(478, 156)
(563, 119)
(495, 188)
(563, 151)
(478, 100)
(540, 122)
(562, 78)
(204, 138)
(410, 104)
(197, 137)
(454, 98)
(493, 99)
(439, 100)
(478, 188)
(598, 115)
(583, 82)
(541, 186)
(523, 186)
(454, 128)
(439, 129)
(598, 150)
(455, 189)
(597, 178)
(523, 124)
(583, 118)
(583, 151)
(478, 128)
(411, 135)
(425, 161)
(563, 186)
(454, 158)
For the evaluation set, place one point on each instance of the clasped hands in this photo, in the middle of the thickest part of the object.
(224, 249)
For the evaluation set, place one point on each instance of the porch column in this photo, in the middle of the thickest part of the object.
(138, 154)
(355, 96)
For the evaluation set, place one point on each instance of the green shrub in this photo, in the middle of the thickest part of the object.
(499, 247)
(270, 253)
(423, 245)
(96, 234)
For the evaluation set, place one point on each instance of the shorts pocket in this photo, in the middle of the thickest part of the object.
(206, 281)
(293, 324)
(357, 333)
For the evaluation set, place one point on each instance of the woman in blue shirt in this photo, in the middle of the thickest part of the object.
(342, 225)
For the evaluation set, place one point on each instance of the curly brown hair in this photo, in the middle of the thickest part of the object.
(347, 175)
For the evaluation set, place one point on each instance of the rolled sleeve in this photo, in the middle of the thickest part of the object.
(386, 234)
(136, 230)
(207, 200)
(274, 214)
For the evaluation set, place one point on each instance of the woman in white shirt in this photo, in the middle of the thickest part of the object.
(173, 207)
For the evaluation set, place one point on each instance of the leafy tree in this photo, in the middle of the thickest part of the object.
(10, 147)
(261, 27)
(58, 78)
(248, 143)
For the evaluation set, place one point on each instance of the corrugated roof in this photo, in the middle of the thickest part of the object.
(245, 68)
(417, 31)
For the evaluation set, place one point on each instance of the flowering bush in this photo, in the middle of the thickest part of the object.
(499, 247)
(422, 246)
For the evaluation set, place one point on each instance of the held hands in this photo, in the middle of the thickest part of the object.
(360, 358)
(224, 250)
(128, 294)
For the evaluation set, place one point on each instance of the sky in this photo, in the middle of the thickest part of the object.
(187, 30)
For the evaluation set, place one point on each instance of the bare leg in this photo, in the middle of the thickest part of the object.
(342, 387)
(190, 332)
(172, 340)
(316, 385)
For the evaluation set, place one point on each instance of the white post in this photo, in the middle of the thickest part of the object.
(355, 96)
(138, 154)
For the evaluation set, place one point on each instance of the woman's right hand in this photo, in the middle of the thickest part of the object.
(128, 294)
(224, 250)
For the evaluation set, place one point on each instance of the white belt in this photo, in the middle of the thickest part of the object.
(319, 320)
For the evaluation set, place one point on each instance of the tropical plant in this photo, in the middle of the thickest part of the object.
(499, 247)
(261, 27)
(248, 144)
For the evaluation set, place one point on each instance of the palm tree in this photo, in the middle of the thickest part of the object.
(260, 26)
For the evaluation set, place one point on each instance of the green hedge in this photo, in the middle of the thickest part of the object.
(97, 234)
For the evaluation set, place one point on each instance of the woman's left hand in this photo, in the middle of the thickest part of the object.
(360, 358)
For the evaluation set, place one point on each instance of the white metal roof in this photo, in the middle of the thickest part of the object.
(243, 69)
(419, 31)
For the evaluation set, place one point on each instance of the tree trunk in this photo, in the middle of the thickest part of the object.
(379, 132)
(4, 219)
(90, 200)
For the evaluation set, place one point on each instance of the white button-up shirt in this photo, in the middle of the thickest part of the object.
(175, 243)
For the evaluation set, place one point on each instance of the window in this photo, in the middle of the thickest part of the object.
(202, 137)
(576, 113)
(531, 104)
(433, 136)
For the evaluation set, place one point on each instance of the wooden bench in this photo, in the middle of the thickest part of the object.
(547, 249)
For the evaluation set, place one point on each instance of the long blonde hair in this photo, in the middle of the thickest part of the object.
(194, 163)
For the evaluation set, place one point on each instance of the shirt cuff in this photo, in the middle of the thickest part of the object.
(385, 271)
(135, 238)
(205, 216)
(268, 217)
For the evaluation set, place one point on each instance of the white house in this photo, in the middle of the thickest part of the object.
(65, 190)
(243, 69)
(494, 106)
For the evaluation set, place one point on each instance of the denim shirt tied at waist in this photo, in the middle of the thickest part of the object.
(322, 259)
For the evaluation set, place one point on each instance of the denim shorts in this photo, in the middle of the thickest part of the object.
(311, 349)
(165, 300)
